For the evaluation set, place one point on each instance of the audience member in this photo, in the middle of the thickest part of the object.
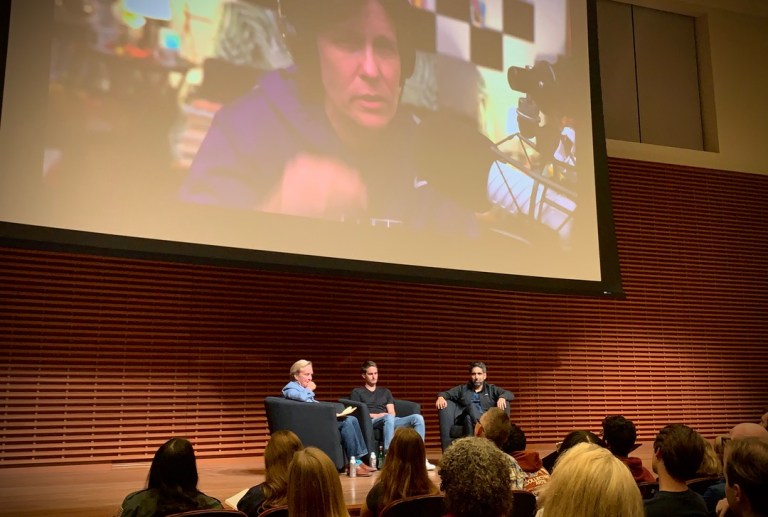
(381, 407)
(314, 488)
(711, 466)
(677, 453)
(571, 439)
(589, 481)
(171, 484)
(536, 476)
(404, 474)
(746, 477)
(302, 388)
(470, 477)
(494, 425)
(764, 420)
(620, 435)
(273, 491)
(476, 396)
(714, 496)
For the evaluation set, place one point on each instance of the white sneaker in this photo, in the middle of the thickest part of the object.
(430, 466)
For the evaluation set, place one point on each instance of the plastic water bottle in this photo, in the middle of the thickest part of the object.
(352, 467)
(372, 460)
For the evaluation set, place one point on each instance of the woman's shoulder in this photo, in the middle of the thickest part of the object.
(205, 501)
(139, 502)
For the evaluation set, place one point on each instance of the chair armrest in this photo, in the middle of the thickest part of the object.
(406, 407)
(364, 419)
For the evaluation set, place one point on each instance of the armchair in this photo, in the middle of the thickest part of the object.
(374, 437)
(454, 423)
(314, 423)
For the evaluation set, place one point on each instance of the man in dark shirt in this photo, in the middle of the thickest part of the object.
(477, 396)
(677, 454)
(381, 406)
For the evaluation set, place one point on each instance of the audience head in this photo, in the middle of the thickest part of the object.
(404, 473)
(748, 430)
(576, 437)
(619, 434)
(516, 441)
(680, 450)
(764, 420)
(277, 458)
(174, 468)
(590, 481)
(746, 476)
(710, 465)
(471, 477)
(173, 475)
(494, 425)
(314, 488)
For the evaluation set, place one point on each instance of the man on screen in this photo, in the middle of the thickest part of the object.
(381, 406)
(327, 138)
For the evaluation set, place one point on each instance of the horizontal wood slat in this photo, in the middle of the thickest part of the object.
(104, 358)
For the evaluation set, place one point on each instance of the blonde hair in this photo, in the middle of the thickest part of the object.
(710, 465)
(298, 365)
(589, 481)
(314, 488)
(277, 457)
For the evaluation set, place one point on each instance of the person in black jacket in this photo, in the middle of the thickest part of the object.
(476, 396)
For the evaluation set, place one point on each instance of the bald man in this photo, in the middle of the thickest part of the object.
(714, 496)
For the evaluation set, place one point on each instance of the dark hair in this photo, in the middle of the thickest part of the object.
(576, 437)
(478, 364)
(619, 434)
(303, 26)
(173, 475)
(366, 365)
(681, 449)
(746, 465)
(516, 441)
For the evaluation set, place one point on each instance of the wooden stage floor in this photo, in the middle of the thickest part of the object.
(98, 490)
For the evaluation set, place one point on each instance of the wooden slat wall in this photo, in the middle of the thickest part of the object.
(104, 358)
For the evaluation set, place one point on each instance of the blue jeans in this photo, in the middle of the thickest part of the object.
(352, 440)
(388, 424)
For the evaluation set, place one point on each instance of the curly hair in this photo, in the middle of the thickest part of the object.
(404, 474)
(590, 481)
(474, 476)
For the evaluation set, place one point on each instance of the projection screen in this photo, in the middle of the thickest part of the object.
(440, 141)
